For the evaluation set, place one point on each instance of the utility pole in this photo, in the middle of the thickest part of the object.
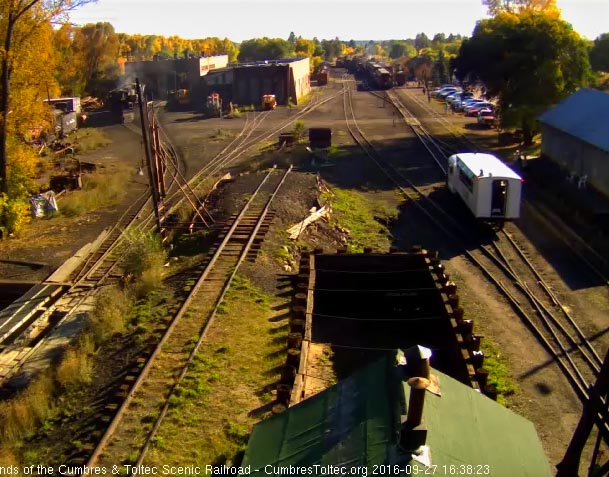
(154, 191)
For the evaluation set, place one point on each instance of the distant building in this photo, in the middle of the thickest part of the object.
(164, 76)
(574, 135)
(246, 83)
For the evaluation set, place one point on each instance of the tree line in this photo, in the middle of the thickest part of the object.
(525, 54)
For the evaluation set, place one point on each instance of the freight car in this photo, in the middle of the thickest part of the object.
(489, 188)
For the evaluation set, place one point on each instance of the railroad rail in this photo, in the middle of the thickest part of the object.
(166, 365)
(100, 266)
(523, 286)
(595, 262)
(532, 300)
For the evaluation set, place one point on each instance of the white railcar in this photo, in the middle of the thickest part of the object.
(489, 188)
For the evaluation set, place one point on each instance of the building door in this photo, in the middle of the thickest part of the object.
(499, 198)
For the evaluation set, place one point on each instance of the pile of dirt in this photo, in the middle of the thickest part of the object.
(279, 255)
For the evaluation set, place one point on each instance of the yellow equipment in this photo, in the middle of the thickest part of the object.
(269, 102)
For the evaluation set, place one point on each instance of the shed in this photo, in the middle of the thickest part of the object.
(287, 79)
(574, 135)
(360, 423)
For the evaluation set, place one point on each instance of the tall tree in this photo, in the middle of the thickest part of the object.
(14, 14)
(397, 49)
(98, 46)
(304, 47)
(599, 54)
(441, 72)
(258, 49)
(332, 48)
(529, 61)
(421, 42)
(69, 73)
(517, 6)
(292, 38)
(439, 38)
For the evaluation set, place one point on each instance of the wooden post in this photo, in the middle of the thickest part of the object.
(154, 191)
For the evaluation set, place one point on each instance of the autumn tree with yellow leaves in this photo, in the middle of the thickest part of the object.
(26, 61)
(496, 7)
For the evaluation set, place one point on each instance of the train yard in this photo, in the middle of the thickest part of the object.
(397, 146)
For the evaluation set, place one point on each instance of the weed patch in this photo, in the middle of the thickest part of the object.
(98, 191)
(224, 382)
(144, 259)
(110, 314)
(76, 367)
(221, 134)
(361, 220)
(499, 375)
(89, 139)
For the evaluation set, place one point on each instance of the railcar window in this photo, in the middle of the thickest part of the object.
(466, 175)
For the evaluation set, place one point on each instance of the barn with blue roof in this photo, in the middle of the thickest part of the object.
(574, 134)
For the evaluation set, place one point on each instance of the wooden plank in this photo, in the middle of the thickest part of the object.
(304, 355)
(297, 390)
(309, 309)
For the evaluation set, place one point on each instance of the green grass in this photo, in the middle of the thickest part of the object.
(229, 378)
(360, 217)
(499, 374)
(98, 191)
(89, 139)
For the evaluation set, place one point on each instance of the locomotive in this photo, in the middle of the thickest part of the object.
(380, 75)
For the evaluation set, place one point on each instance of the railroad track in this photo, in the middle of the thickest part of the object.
(238, 147)
(548, 318)
(146, 391)
(595, 262)
(521, 284)
(101, 266)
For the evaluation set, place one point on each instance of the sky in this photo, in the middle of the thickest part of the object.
(240, 20)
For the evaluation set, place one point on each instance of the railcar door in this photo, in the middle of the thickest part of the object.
(499, 198)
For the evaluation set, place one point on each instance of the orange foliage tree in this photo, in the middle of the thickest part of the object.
(25, 34)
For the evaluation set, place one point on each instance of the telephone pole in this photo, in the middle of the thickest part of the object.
(152, 176)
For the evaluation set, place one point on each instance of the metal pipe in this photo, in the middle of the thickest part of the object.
(416, 401)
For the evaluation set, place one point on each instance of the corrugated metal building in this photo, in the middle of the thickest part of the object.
(163, 76)
(245, 83)
(574, 134)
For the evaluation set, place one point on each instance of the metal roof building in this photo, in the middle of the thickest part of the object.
(574, 135)
(363, 422)
(245, 83)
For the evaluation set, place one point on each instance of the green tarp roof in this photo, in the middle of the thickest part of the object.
(356, 423)
(353, 423)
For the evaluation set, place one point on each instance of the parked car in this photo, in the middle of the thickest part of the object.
(487, 117)
(454, 98)
(449, 99)
(474, 109)
(445, 91)
(461, 105)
